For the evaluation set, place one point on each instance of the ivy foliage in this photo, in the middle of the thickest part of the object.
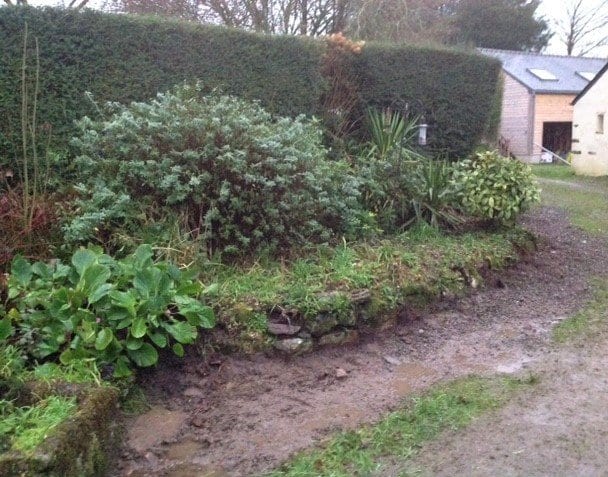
(241, 179)
(116, 312)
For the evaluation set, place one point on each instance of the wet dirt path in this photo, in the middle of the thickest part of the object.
(242, 416)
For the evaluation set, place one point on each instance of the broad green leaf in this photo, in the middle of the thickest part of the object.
(143, 256)
(195, 312)
(121, 368)
(93, 277)
(124, 324)
(61, 271)
(182, 332)
(6, 329)
(134, 343)
(124, 300)
(104, 338)
(21, 270)
(211, 289)
(144, 356)
(82, 259)
(138, 328)
(178, 349)
(99, 292)
(158, 339)
(43, 271)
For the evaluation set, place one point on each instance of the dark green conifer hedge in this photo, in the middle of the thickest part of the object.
(126, 58)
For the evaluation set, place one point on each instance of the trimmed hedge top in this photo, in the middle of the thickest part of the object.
(125, 58)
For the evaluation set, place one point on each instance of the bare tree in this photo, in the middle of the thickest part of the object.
(584, 27)
(412, 21)
(304, 17)
(76, 4)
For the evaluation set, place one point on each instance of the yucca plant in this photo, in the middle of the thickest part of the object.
(389, 130)
(432, 193)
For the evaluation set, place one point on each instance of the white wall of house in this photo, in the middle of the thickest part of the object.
(590, 130)
(517, 103)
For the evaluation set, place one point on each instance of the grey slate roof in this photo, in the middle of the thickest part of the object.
(565, 68)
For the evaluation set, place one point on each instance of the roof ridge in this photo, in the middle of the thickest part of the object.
(534, 53)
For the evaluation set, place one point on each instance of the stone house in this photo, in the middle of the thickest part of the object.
(538, 90)
(590, 132)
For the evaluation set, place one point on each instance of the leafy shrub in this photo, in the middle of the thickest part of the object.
(115, 311)
(489, 186)
(242, 179)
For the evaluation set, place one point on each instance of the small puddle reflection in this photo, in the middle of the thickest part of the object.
(409, 376)
(510, 368)
(182, 450)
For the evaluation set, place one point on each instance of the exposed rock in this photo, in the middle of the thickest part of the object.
(283, 329)
(193, 392)
(361, 296)
(322, 323)
(198, 420)
(293, 345)
(348, 319)
(392, 360)
(339, 338)
(152, 459)
(341, 373)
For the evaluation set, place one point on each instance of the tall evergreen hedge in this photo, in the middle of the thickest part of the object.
(452, 91)
(124, 58)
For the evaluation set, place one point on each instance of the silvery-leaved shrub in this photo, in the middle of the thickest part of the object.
(490, 186)
(239, 178)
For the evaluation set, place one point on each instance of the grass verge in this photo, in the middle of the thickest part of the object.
(586, 323)
(401, 433)
(419, 263)
(552, 171)
(24, 428)
(585, 199)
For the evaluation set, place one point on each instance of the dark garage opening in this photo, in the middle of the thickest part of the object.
(557, 137)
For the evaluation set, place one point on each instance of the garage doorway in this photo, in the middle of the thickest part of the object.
(557, 137)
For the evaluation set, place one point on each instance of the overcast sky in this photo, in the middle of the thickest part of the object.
(551, 9)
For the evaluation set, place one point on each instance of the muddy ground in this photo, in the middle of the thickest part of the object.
(241, 416)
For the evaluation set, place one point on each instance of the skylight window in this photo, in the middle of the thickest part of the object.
(588, 75)
(541, 74)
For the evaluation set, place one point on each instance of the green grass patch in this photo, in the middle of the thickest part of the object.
(588, 321)
(401, 433)
(553, 171)
(421, 262)
(585, 199)
(24, 428)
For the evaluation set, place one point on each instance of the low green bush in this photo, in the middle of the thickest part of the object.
(493, 187)
(117, 312)
(240, 178)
